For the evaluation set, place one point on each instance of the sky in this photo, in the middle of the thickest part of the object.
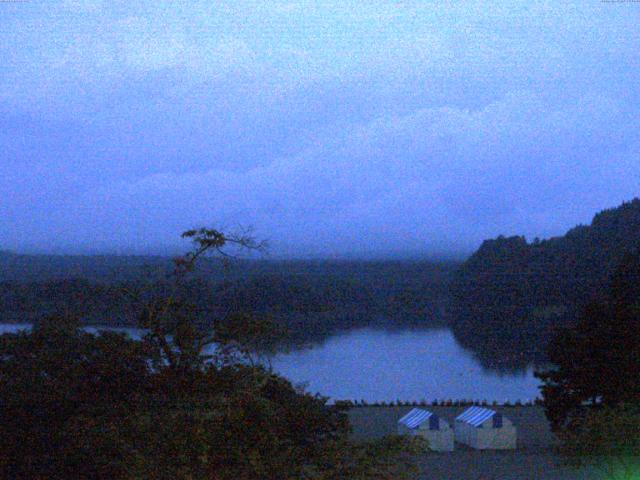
(332, 129)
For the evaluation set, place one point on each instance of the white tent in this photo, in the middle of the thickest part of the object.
(485, 429)
(428, 425)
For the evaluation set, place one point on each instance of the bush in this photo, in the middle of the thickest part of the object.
(608, 438)
(76, 405)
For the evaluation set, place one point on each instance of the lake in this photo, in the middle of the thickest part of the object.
(378, 365)
(383, 365)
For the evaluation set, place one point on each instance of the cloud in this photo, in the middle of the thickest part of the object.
(437, 179)
(331, 127)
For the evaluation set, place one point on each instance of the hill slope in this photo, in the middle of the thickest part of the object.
(510, 295)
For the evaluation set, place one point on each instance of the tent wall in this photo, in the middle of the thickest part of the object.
(486, 437)
(463, 432)
(440, 440)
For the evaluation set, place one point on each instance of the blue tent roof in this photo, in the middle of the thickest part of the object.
(415, 417)
(475, 415)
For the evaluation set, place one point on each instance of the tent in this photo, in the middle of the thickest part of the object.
(485, 429)
(428, 425)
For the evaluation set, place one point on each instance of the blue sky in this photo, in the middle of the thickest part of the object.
(332, 128)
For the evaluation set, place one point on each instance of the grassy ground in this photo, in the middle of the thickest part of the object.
(533, 459)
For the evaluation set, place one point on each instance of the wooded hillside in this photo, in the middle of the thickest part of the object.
(510, 295)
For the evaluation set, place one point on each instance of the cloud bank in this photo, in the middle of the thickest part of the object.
(333, 130)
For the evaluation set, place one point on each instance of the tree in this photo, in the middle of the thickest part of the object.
(597, 361)
(607, 438)
(77, 405)
(56, 373)
(525, 290)
(174, 333)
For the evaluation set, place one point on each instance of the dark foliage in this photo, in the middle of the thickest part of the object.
(510, 296)
(78, 405)
(52, 375)
(597, 360)
(607, 438)
(310, 300)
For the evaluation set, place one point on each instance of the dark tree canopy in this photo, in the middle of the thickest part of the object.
(78, 405)
(607, 438)
(597, 361)
(510, 295)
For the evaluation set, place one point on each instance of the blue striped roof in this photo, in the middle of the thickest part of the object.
(415, 417)
(475, 415)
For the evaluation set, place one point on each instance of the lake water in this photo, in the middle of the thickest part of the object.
(407, 365)
(381, 365)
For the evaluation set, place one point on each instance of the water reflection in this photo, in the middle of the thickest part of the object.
(377, 365)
